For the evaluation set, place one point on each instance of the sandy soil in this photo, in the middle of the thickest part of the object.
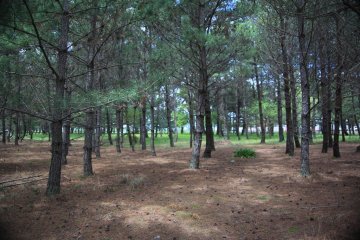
(136, 196)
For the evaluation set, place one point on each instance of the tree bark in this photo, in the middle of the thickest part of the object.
(279, 110)
(168, 115)
(143, 124)
(53, 184)
(338, 90)
(223, 113)
(238, 110)
(294, 104)
(323, 94)
(98, 132)
(131, 140)
(152, 120)
(119, 119)
(289, 121)
(209, 146)
(191, 117)
(259, 98)
(89, 131)
(66, 141)
(3, 121)
(109, 126)
(305, 90)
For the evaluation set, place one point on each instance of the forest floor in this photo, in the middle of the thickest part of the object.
(136, 196)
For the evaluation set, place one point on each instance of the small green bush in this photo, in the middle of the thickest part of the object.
(245, 153)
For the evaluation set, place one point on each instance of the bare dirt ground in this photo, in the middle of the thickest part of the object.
(136, 196)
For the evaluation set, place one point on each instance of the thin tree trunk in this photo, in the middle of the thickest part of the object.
(200, 109)
(143, 125)
(66, 141)
(168, 115)
(131, 141)
(89, 131)
(89, 143)
(259, 98)
(109, 126)
(238, 110)
(354, 116)
(53, 184)
(324, 95)
(66, 123)
(338, 91)
(305, 90)
(98, 133)
(118, 126)
(223, 113)
(191, 117)
(3, 121)
(152, 120)
(208, 129)
(289, 121)
(279, 110)
(294, 104)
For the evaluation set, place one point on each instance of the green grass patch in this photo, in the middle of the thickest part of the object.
(245, 153)
(293, 229)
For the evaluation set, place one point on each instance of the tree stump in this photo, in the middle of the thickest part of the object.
(358, 148)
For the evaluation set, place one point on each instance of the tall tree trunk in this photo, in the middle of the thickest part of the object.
(323, 94)
(191, 117)
(109, 126)
(152, 122)
(289, 121)
(90, 121)
(168, 115)
(53, 184)
(3, 121)
(238, 110)
(259, 98)
(338, 90)
(329, 95)
(17, 128)
(305, 91)
(354, 115)
(200, 108)
(89, 131)
(9, 133)
(66, 141)
(279, 110)
(223, 113)
(129, 133)
(66, 123)
(294, 104)
(118, 128)
(143, 124)
(98, 132)
(17, 116)
(208, 129)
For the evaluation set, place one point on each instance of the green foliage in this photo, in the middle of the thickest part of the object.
(245, 153)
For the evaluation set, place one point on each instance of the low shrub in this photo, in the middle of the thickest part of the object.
(245, 153)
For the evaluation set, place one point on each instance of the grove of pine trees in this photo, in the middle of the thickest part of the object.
(140, 68)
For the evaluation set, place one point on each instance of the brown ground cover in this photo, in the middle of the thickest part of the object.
(137, 196)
